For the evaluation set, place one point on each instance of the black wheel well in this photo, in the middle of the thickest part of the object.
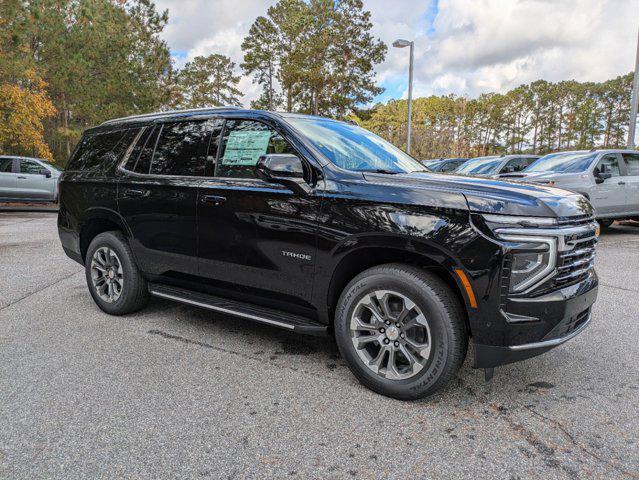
(363, 259)
(92, 228)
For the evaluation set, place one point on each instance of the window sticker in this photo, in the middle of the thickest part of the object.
(245, 147)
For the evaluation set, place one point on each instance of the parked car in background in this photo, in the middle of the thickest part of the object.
(608, 178)
(28, 179)
(495, 166)
(444, 164)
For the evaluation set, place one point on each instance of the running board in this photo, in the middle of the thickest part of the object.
(257, 313)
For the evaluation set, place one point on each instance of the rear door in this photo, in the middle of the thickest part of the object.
(8, 181)
(253, 233)
(631, 161)
(609, 197)
(33, 184)
(157, 195)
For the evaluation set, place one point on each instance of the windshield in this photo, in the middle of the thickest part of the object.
(570, 162)
(481, 165)
(353, 148)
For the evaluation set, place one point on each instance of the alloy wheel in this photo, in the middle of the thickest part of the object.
(390, 334)
(106, 274)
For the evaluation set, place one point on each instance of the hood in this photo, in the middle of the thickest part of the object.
(498, 196)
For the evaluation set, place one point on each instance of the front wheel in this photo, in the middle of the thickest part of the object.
(401, 331)
(114, 280)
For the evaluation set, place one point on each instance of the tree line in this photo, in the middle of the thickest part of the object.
(537, 118)
(66, 65)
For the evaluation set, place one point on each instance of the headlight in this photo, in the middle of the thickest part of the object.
(531, 260)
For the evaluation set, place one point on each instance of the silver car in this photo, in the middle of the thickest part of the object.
(28, 179)
(495, 166)
(608, 178)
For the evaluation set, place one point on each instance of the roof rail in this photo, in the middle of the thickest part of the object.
(168, 112)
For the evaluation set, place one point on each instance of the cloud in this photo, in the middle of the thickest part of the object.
(461, 46)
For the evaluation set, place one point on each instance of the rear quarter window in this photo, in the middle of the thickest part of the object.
(97, 149)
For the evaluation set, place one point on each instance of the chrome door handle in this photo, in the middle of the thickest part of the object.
(213, 199)
(621, 183)
(22, 178)
(134, 193)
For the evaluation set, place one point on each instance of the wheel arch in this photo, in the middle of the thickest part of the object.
(99, 220)
(361, 259)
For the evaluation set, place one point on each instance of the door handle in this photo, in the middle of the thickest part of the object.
(134, 193)
(22, 178)
(213, 199)
(621, 183)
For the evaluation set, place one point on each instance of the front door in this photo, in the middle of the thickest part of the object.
(157, 196)
(253, 233)
(609, 197)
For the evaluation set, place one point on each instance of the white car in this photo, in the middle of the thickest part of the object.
(608, 178)
(28, 179)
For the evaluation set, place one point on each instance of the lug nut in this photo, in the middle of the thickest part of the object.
(386, 341)
(397, 325)
(382, 330)
(402, 335)
(397, 344)
(387, 322)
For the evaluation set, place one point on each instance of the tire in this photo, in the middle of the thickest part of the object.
(444, 331)
(133, 292)
(605, 222)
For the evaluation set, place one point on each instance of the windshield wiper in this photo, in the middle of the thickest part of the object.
(380, 170)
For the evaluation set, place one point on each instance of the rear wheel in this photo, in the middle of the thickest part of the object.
(401, 331)
(113, 278)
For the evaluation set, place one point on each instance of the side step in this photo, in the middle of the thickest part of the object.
(257, 313)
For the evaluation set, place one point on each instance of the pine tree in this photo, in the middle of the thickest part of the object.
(208, 81)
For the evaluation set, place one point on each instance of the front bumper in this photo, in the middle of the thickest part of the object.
(532, 326)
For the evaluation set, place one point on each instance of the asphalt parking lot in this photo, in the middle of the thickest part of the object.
(175, 391)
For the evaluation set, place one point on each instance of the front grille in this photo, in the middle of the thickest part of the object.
(574, 265)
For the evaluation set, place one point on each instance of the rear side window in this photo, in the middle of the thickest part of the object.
(94, 147)
(180, 149)
(632, 162)
(6, 165)
(140, 159)
(97, 150)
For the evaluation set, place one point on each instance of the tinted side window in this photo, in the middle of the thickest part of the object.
(632, 162)
(6, 165)
(243, 143)
(93, 149)
(143, 162)
(27, 166)
(180, 149)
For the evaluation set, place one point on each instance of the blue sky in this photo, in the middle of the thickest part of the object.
(464, 47)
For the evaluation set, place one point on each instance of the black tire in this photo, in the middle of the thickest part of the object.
(449, 335)
(605, 222)
(134, 293)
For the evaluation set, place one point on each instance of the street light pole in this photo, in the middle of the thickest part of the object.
(634, 103)
(401, 44)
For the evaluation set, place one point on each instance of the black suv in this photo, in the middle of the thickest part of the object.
(319, 226)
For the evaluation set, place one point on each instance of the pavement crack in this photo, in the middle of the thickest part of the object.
(557, 425)
(618, 288)
(2, 307)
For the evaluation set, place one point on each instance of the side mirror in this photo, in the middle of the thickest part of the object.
(601, 177)
(46, 172)
(285, 169)
(509, 169)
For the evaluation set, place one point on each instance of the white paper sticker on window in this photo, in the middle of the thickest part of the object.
(245, 147)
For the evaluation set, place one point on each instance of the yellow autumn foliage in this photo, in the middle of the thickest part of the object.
(23, 107)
